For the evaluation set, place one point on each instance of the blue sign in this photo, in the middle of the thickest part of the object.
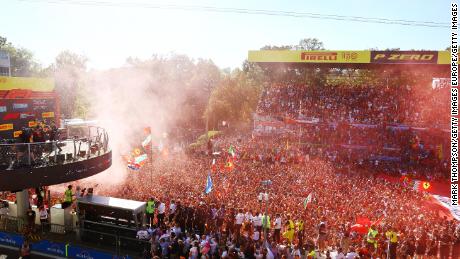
(49, 247)
(10, 239)
(84, 253)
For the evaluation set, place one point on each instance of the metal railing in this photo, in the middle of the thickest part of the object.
(116, 243)
(93, 141)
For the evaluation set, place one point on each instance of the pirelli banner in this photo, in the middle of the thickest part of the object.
(27, 83)
(350, 57)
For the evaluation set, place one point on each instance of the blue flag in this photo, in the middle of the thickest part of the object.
(208, 188)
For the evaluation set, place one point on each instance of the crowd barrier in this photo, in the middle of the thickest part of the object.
(13, 232)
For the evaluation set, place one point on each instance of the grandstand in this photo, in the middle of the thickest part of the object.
(384, 125)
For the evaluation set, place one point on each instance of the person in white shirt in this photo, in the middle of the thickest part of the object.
(340, 254)
(352, 254)
(43, 213)
(161, 214)
(296, 254)
(248, 216)
(143, 234)
(256, 235)
(172, 211)
(257, 221)
(239, 218)
(277, 227)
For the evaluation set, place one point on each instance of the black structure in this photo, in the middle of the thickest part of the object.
(108, 221)
(28, 165)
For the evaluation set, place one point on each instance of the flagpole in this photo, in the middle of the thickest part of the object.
(151, 156)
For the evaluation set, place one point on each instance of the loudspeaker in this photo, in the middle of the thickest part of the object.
(69, 156)
(60, 158)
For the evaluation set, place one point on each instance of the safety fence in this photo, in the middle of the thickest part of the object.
(68, 242)
(90, 141)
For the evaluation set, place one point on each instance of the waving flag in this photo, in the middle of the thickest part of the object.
(140, 160)
(308, 200)
(208, 188)
(133, 166)
(231, 151)
(148, 137)
(421, 186)
(229, 164)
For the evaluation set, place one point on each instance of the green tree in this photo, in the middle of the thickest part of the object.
(21, 59)
(310, 44)
(69, 71)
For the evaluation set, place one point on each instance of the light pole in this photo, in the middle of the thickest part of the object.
(266, 184)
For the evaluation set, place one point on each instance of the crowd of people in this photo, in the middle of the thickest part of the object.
(323, 200)
(377, 104)
(402, 129)
(230, 221)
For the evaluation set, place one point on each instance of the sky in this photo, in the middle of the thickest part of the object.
(109, 35)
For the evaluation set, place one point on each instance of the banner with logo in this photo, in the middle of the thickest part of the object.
(11, 239)
(350, 57)
(84, 253)
(49, 247)
(303, 56)
(404, 57)
(27, 83)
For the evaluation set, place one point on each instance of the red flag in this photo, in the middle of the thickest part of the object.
(358, 228)
(363, 221)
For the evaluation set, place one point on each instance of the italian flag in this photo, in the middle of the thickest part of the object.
(308, 200)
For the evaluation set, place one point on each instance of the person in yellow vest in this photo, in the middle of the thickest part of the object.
(372, 238)
(392, 237)
(150, 211)
(290, 230)
(300, 230)
(266, 224)
(68, 197)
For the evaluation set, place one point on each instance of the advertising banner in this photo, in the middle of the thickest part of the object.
(84, 253)
(350, 57)
(27, 83)
(404, 57)
(49, 247)
(11, 239)
(303, 56)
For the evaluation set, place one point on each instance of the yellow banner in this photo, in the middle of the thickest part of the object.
(47, 114)
(303, 56)
(27, 83)
(444, 57)
(4, 127)
(32, 124)
(17, 133)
